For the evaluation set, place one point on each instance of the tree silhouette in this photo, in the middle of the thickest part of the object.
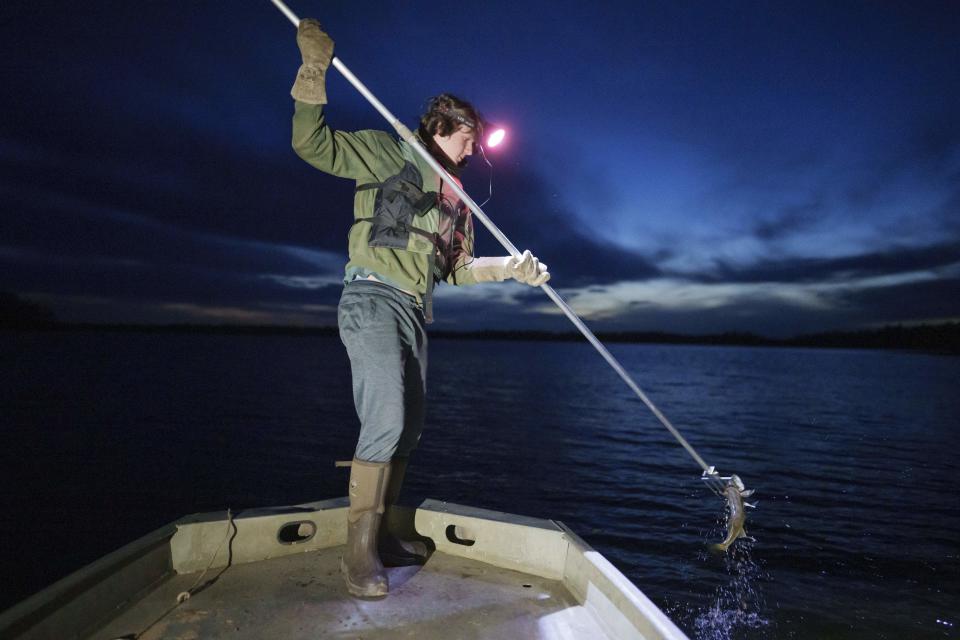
(17, 313)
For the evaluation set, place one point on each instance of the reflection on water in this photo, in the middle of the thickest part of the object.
(852, 454)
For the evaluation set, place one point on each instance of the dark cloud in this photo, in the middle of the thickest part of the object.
(842, 309)
(74, 230)
(200, 184)
(176, 121)
(934, 299)
(155, 282)
(789, 220)
(948, 214)
(926, 152)
(809, 270)
(529, 211)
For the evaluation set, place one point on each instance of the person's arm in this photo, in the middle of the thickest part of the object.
(462, 251)
(525, 268)
(348, 155)
(341, 153)
(468, 270)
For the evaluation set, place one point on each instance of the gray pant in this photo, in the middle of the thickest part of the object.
(383, 331)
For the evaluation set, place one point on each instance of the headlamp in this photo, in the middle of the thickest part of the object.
(496, 137)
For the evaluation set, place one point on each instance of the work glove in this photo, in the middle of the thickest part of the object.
(316, 47)
(524, 268)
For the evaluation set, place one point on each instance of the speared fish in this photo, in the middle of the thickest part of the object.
(734, 493)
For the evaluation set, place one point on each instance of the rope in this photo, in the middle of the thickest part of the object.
(183, 596)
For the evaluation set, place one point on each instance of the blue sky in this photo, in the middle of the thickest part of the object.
(694, 167)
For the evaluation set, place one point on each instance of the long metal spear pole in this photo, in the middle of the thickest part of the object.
(407, 135)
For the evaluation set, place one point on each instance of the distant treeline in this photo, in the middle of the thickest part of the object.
(17, 313)
(944, 337)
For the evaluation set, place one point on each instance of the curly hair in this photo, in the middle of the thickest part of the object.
(446, 112)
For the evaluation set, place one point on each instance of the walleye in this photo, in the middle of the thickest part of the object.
(734, 493)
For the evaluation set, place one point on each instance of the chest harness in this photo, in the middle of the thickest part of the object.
(399, 202)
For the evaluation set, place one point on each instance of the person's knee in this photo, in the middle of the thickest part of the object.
(380, 448)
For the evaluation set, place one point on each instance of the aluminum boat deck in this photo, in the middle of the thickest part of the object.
(274, 573)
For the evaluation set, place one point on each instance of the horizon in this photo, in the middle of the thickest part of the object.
(20, 314)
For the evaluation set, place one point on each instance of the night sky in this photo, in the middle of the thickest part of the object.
(693, 167)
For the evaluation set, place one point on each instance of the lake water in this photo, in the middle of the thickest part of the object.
(853, 455)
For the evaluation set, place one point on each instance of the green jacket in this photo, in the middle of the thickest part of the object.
(373, 156)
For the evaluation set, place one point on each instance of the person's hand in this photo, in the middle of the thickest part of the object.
(524, 268)
(527, 269)
(316, 49)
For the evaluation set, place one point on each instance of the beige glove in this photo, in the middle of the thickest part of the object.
(524, 268)
(316, 47)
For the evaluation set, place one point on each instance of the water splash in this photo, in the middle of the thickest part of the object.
(738, 602)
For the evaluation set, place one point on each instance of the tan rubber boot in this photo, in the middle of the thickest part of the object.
(394, 551)
(361, 566)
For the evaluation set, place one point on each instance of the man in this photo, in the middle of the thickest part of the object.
(410, 230)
